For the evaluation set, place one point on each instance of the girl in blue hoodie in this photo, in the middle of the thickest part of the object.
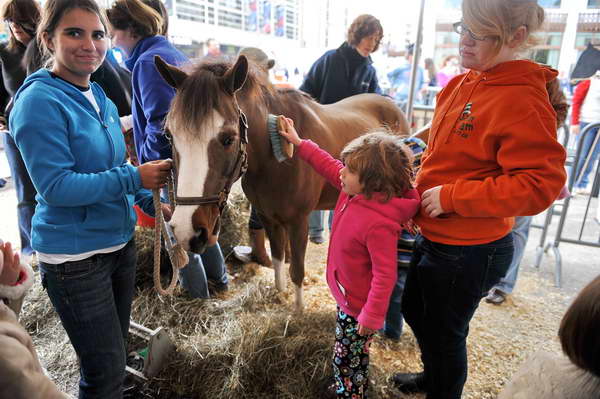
(69, 135)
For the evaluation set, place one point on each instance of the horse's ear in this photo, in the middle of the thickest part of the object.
(234, 78)
(173, 75)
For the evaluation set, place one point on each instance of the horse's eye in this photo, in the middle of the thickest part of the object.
(227, 141)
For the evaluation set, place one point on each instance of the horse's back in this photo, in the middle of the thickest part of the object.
(369, 109)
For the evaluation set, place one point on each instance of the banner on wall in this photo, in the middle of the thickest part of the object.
(280, 20)
(252, 21)
(266, 17)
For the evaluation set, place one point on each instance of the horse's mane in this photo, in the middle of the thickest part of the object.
(202, 94)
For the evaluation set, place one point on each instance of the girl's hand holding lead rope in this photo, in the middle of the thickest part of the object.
(154, 173)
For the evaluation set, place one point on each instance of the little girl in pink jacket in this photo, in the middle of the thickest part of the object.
(375, 201)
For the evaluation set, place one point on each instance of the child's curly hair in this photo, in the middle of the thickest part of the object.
(383, 163)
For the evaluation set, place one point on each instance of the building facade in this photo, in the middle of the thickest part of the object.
(570, 26)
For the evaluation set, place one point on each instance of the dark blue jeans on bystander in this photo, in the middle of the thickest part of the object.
(25, 192)
(444, 286)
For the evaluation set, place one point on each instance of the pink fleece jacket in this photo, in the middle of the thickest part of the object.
(361, 261)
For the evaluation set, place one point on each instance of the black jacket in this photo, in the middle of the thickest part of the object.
(339, 74)
(13, 73)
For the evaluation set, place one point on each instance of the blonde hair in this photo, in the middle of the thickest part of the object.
(383, 163)
(141, 18)
(500, 19)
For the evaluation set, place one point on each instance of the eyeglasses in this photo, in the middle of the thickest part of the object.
(460, 28)
(26, 26)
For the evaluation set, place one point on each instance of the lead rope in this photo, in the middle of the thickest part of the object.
(177, 255)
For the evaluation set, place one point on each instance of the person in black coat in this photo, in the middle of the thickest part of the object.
(340, 73)
(22, 17)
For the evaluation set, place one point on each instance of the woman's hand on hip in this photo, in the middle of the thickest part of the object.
(154, 173)
(430, 201)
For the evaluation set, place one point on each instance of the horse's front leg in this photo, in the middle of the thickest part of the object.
(277, 241)
(298, 236)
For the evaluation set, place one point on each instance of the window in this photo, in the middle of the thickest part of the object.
(453, 4)
(549, 3)
(593, 4)
(230, 19)
(584, 38)
(545, 56)
(446, 39)
(190, 11)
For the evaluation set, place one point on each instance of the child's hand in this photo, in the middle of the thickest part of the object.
(10, 264)
(289, 132)
(364, 331)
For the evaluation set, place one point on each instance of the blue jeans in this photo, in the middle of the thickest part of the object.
(315, 223)
(444, 286)
(208, 266)
(583, 180)
(393, 319)
(26, 193)
(93, 300)
(520, 235)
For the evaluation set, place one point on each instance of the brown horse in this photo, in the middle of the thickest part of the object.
(204, 121)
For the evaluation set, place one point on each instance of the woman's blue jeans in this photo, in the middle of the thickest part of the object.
(444, 286)
(583, 180)
(208, 266)
(26, 193)
(93, 300)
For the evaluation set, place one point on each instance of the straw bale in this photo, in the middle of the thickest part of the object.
(248, 343)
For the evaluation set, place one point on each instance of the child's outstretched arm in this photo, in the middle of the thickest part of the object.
(321, 161)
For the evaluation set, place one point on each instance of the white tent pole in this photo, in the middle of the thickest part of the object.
(415, 64)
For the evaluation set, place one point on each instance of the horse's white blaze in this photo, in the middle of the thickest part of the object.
(280, 281)
(192, 148)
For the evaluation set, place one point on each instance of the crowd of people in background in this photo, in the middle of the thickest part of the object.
(473, 207)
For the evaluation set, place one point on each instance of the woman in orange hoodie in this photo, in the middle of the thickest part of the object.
(492, 155)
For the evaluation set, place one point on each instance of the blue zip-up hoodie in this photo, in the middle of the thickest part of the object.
(152, 96)
(76, 160)
(340, 73)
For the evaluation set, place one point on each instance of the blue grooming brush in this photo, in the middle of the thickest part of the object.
(282, 149)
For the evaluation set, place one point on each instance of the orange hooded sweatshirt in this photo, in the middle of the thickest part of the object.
(492, 147)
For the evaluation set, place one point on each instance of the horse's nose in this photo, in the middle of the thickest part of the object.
(199, 241)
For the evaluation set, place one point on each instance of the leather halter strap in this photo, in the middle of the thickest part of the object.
(239, 169)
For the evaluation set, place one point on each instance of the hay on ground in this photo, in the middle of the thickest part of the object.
(247, 343)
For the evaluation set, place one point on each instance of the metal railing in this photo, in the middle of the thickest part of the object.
(560, 232)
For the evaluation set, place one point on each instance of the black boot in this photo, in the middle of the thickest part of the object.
(410, 382)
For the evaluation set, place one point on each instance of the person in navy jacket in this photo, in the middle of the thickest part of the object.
(340, 73)
(69, 135)
(137, 28)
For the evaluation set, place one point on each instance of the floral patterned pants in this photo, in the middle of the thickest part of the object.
(350, 358)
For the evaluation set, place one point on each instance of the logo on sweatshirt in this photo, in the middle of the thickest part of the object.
(465, 122)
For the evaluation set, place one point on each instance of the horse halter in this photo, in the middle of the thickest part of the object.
(240, 167)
